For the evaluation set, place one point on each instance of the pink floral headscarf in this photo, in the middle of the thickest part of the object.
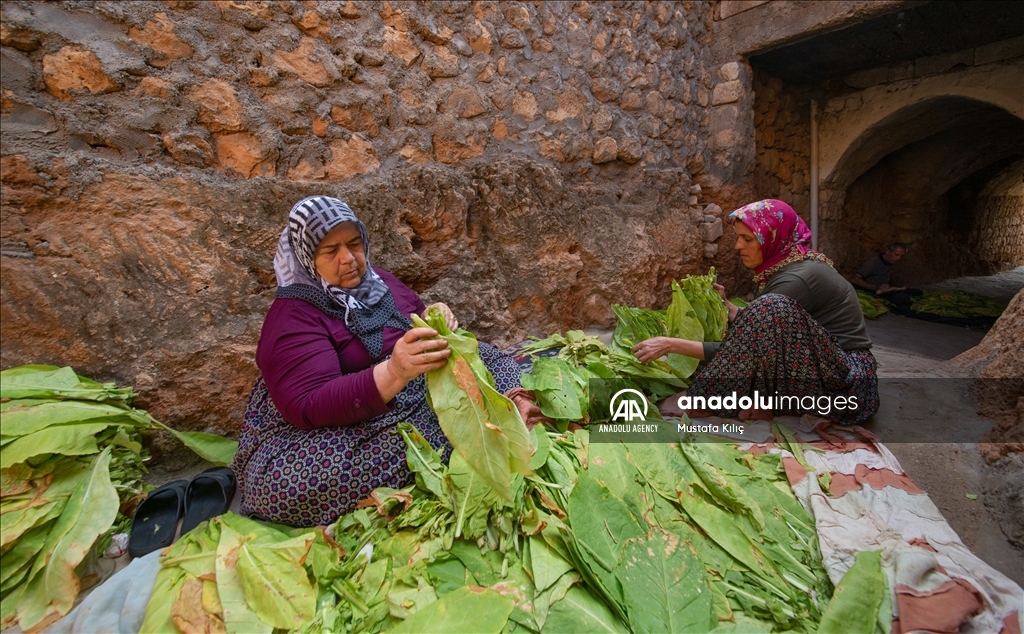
(783, 236)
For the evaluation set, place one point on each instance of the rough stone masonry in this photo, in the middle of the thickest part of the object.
(528, 163)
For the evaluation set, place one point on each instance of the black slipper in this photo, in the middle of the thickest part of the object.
(156, 519)
(208, 495)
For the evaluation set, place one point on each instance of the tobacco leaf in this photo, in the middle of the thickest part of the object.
(239, 618)
(188, 613)
(559, 389)
(483, 426)
(664, 586)
(425, 463)
(601, 523)
(581, 611)
(20, 421)
(546, 565)
(51, 382)
(53, 584)
(543, 601)
(468, 609)
(274, 582)
(216, 449)
(67, 440)
(855, 603)
(404, 600)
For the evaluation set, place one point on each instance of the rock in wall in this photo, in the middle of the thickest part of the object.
(528, 163)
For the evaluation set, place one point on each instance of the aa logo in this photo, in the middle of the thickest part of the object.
(628, 405)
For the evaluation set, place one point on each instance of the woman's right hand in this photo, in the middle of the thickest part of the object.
(657, 347)
(416, 353)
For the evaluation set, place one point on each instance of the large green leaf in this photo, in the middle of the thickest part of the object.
(855, 604)
(19, 421)
(16, 562)
(216, 449)
(581, 611)
(425, 463)
(239, 618)
(560, 391)
(477, 610)
(601, 523)
(483, 426)
(47, 381)
(53, 584)
(546, 565)
(275, 585)
(67, 440)
(663, 466)
(664, 586)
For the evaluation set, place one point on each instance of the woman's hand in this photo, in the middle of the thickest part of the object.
(732, 309)
(449, 316)
(657, 347)
(416, 353)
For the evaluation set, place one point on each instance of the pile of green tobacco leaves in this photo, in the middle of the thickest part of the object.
(872, 305)
(586, 537)
(687, 537)
(71, 466)
(562, 386)
(958, 304)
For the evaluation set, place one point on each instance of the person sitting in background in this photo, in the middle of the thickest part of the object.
(803, 333)
(875, 273)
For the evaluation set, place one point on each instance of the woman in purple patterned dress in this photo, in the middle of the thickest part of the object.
(341, 365)
(802, 335)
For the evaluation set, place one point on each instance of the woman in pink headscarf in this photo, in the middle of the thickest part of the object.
(803, 334)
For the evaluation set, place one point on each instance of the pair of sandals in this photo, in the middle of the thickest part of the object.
(208, 495)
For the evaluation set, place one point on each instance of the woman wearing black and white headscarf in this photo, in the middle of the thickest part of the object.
(341, 365)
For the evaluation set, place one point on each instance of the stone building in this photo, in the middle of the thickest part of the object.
(529, 163)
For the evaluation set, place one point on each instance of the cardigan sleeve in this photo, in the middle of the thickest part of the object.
(300, 365)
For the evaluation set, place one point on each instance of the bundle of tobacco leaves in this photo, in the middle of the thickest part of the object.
(706, 304)
(562, 386)
(958, 304)
(731, 546)
(483, 426)
(872, 305)
(71, 466)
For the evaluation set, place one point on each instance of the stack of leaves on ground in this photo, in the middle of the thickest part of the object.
(687, 537)
(71, 466)
(872, 305)
(958, 304)
(562, 386)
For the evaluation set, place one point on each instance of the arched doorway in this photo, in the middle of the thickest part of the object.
(938, 175)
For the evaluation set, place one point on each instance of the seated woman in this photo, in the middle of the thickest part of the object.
(802, 335)
(341, 365)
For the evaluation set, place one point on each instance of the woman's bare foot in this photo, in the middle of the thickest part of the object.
(756, 414)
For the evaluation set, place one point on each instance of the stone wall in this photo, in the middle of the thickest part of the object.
(529, 163)
(999, 237)
(782, 125)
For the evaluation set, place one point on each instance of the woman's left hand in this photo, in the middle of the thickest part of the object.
(449, 316)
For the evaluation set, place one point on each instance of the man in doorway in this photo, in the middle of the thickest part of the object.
(874, 275)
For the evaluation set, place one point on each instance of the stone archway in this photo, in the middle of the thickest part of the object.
(856, 130)
(938, 174)
(913, 163)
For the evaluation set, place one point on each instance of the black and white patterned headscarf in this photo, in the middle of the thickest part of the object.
(365, 309)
